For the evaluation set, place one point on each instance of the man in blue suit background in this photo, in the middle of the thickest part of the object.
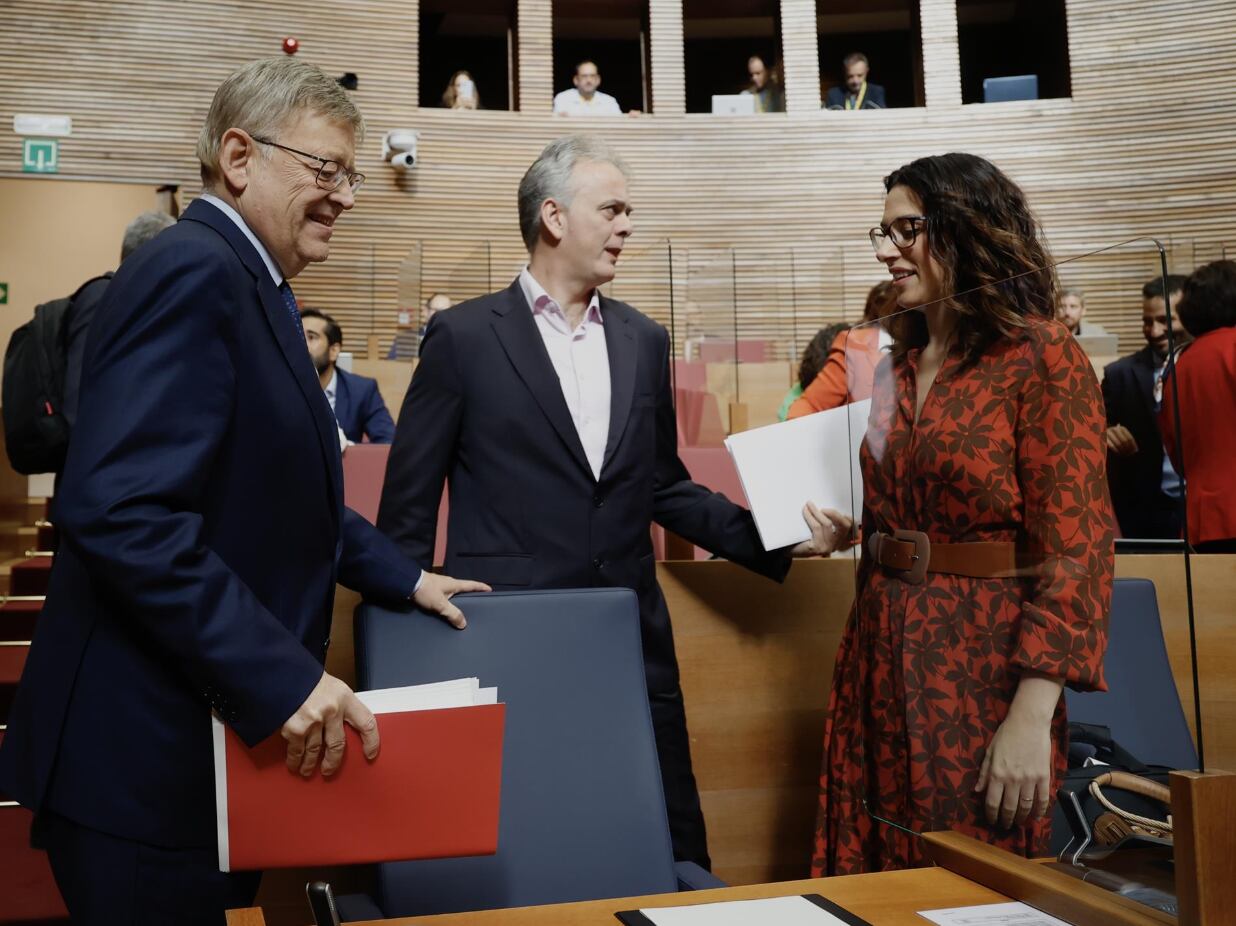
(202, 526)
(354, 399)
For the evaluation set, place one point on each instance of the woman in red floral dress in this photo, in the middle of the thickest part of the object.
(985, 435)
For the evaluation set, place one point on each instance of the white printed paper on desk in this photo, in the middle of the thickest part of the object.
(813, 458)
(992, 914)
(771, 911)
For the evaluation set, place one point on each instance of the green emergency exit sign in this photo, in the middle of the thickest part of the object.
(40, 155)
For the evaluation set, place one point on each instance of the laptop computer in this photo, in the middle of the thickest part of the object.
(733, 104)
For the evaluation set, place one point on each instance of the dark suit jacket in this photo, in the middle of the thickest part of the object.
(359, 409)
(1136, 481)
(485, 411)
(873, 100)
(202, 530)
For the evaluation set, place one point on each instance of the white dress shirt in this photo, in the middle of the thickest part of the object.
(581, 361)
(275, 273)
(330, 389)
(571, 103)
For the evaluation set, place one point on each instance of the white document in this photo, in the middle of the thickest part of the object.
(814, 458)
(992, 914)
(773, 911)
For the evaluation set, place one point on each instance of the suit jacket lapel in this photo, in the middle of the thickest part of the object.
(292, 346)
(516, 330)
(620, 344)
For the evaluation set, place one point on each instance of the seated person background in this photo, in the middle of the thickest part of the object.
(461, 92)
(1144, 485)
(1205, 378)
(857, 93)
(839, 381)
(407, 342)
(1072, 311)
(355, 400)
(584, 99)
(764, 86)
(814, 355)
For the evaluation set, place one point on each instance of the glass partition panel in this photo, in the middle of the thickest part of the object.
(982, 511)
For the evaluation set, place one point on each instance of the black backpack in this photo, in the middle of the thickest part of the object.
(36, 433)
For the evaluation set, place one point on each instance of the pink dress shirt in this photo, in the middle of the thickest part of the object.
(582, 363)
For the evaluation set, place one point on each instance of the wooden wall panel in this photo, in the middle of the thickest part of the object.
(941, 65)
(536, 56)
(1130, 154)
(800, 56)
(669, 80)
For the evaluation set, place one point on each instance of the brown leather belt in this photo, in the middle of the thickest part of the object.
(913, 555)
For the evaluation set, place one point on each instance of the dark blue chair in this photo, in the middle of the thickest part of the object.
(1141, 706)
(583, 813)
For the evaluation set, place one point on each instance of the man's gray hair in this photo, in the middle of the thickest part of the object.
(549, 177)
(142, 229)
(262, 96)
(1074, 292)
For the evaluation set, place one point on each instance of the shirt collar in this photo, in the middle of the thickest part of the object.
(330, 387)
(540, 301)
(275, 273)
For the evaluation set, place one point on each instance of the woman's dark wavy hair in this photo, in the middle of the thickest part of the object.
(981, 231)
(1208, 299)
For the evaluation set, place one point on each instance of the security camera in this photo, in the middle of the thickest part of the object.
(399, 148)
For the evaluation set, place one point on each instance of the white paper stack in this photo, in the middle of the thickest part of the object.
(814, 458)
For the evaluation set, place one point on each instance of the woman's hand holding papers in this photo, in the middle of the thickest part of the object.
(830, 531)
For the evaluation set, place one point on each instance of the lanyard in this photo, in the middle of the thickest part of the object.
(858, 103)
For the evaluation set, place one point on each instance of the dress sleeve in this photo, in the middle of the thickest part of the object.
(829, 388)
(1061, 468)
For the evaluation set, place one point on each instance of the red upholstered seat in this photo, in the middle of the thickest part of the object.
(30, 576)
(12, 661)
(28, 893)
(364, 470)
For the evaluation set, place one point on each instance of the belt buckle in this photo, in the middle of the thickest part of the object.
(917, 573)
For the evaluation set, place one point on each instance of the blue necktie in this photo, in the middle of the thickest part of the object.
(289, 300)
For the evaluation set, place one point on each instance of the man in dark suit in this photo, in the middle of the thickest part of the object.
(354, 399)
(1145, 488)
(548, 409)
(202, 526)
(857, 93)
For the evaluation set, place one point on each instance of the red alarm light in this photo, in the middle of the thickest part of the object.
(290, 46)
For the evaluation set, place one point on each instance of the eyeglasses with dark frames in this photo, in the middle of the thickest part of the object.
(901, 231)
(331, 174)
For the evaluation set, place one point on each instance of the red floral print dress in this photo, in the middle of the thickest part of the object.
(1009, 448)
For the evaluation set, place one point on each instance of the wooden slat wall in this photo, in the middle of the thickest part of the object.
(941, 65)
(1132, 153)
(536, 56)
(669, 83)
(800, 56)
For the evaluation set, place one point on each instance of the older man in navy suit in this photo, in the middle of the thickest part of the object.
(354, 399)
(547, 409)
(202, 526)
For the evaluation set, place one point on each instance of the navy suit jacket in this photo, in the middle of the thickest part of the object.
(202, 530)
(1128, 397)
(485, 411)
(359, 409)
(873, 100)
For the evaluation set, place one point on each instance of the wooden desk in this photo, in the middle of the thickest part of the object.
(889, 898)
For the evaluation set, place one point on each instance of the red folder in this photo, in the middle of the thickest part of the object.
(432, 792)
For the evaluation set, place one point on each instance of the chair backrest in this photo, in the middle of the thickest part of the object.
(583, 813)
(1141, 706)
